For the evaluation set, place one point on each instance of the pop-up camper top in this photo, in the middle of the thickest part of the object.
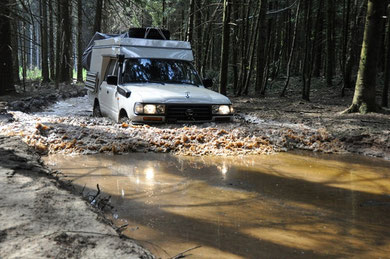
(138, 48)
(149, 80)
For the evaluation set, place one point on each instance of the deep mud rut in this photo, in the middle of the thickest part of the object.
(261, 126)
(68, 128)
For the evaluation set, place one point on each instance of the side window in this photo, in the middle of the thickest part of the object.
(110, 69)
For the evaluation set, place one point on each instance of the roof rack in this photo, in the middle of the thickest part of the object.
(149, 33)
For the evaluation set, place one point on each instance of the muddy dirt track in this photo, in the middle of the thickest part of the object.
(261, 126)
(39, 219)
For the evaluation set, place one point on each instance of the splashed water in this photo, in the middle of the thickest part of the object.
(79, 106)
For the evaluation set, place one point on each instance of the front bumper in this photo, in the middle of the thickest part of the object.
(177, 113)
(163, 119)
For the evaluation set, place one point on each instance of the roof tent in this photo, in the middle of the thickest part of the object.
(103, 45)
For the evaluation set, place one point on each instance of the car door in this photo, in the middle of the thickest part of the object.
(106, 91)
(112, 100)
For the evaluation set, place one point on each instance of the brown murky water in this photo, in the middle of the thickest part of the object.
(279, 206)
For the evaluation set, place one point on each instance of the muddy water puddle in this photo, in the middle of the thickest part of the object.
(278, 206)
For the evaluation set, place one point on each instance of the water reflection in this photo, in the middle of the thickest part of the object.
(281, 206)
(223, 169)
(149, 174)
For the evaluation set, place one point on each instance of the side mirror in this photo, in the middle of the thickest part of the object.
(208, 83)
(112, 80)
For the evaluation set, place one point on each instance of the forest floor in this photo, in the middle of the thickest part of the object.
(43, 212)
(367, 134)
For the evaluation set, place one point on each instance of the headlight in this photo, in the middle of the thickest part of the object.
(150, 109)
(160, 109)
(222, 109)
(139, 108)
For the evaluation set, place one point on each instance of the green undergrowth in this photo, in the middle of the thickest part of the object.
(36, 74)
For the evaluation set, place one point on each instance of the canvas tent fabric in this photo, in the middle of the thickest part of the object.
(147, 33)
(98, 36)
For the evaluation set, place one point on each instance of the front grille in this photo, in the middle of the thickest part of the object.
(185, 112)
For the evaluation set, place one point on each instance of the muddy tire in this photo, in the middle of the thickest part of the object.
(123, 118)
(96, 110)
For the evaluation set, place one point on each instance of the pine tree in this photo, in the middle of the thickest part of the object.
(365, 89)
(6, 71)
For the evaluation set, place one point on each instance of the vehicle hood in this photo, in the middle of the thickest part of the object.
(176, 93)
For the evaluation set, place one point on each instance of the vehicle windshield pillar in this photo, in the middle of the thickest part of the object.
(121, 60)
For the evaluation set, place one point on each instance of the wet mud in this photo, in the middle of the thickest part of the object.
(67, 127)
(40, 219)
(288, 205)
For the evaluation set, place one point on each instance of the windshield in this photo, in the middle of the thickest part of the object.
(142, 70)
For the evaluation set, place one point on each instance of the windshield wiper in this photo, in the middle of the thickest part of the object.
(146, 81)
(181, 82)
(155, 82)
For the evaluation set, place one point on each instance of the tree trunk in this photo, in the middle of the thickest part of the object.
(164, 18)
(307, 65)
(364, 97)
(225, 48)
(346, 42)
(79, 41)
(198, 27)
(268, 56)
(318, 38)
(6, 71)
(330, 43)
(352, 46)
(58, 42)
(183, 25)
(44, 43)
(385, 95)
(97, 26)
(15, 49)
(190, 33)
(236, 11)
(245, 45)
(346, 34)
(33, 44)
(283, 93)
(251, 55)
(261, 47)
(66, 61)
(24, 54)
(277, 48)
(51, 42)
(208, 40)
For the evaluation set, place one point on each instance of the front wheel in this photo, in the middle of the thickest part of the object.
(96, 110)
(123, 118)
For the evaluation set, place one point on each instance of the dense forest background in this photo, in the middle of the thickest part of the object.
(243, 45)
